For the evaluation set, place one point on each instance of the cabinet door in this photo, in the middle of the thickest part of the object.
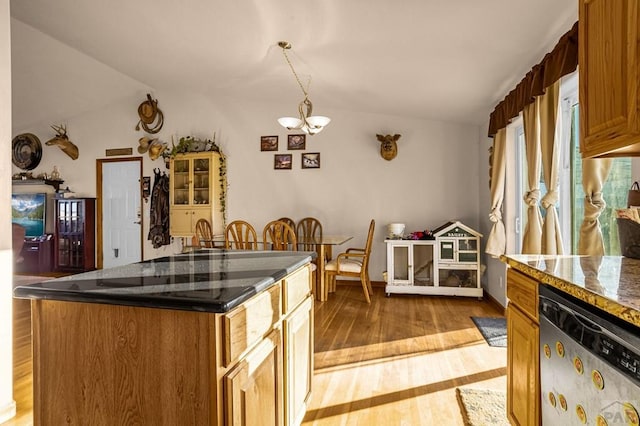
(298, 355)
(254, 387)
(608, 63)
(447, 250)
(180, 180)
(523, 360)
(401, 264)
(201, 181)
(180, 221)
(422, 264)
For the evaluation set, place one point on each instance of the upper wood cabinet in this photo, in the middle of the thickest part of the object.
(194, 193)
(609, 69)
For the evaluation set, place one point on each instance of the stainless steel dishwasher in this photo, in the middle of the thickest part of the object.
(589, 366)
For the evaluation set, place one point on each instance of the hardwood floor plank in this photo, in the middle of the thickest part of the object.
(394, 362)
(399, 360)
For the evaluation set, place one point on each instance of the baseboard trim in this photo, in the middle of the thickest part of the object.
(490, 299)
(357, 283)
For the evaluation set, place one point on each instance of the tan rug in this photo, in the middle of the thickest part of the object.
(482, 407)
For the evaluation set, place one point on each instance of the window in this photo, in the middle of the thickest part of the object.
(570, 205)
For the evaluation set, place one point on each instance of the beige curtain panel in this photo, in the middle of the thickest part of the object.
(532, 236)
(549, 148)
(594, 175)
(496, 242)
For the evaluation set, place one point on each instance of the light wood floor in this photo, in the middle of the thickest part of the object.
(394, 362)
(399, 360)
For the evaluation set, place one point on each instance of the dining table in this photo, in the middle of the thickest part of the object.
(323, 244)
(324, 247)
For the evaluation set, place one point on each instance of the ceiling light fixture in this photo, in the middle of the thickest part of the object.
(309, 124)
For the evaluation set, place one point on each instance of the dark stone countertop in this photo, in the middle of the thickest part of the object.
(610, 283)
(206, 281)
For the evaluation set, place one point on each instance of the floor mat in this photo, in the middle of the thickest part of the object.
(482, 407)
(494, 330)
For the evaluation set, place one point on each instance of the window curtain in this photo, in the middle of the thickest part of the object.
(562, 60)
(532, 236)
(594, 175)
(496, 242)
(550, 151)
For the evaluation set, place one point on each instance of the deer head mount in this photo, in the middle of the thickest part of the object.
(61, 140)
(388, 146)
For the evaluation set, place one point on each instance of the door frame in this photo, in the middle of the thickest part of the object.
(99, 220)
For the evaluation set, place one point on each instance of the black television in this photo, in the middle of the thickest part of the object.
(30, 211)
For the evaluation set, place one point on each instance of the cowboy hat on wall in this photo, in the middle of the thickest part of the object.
(150, 116)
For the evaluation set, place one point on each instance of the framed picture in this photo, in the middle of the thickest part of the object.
(268, 143)
(296, 141)
(311, 160)
(282, 161)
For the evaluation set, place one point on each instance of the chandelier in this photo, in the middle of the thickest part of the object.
(309, 124)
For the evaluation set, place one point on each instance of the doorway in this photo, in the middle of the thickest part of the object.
(119, 221)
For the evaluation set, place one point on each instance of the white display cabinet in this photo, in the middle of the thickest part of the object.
(448, 265)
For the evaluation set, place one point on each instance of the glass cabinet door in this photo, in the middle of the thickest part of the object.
(400, 265)
(423, 264)
(181, 172)
(201, 179)
(447, 251)
(468, 250)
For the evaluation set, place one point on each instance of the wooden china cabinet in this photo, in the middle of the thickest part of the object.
(74, 234)
(194, 193)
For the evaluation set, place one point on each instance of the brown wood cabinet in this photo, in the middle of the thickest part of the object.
(127, 364)
(37, 256)
(194, 193)
(609, 67)
(74, 234)
(523, 356)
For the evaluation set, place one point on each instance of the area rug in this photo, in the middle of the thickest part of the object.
(482, 407)
(494, 330)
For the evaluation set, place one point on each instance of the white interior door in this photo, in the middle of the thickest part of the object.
(121, 214)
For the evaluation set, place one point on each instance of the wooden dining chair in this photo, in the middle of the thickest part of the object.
(289, 222)
(204, 234)
(308, 229)
(280, 235)
(352, 263)
(240, 235)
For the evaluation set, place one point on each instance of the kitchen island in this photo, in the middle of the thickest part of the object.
(210, 337)
(607, 287)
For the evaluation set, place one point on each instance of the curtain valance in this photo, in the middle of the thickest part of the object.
(562, 60)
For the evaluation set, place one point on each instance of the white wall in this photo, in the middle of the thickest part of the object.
(7, 404)
(437, 176)
(426, 185)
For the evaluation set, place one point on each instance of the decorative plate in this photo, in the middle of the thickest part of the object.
(26, 151)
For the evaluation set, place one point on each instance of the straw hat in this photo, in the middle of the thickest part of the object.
(150, 116)
(143, 144)
(148, 110)
(155, 149)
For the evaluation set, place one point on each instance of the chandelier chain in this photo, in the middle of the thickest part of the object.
(296, 74)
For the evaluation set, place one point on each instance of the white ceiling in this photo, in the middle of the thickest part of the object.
(450, 60)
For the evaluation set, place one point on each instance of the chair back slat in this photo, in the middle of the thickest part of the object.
(280, 235)
(240, 235)
(204, 233)
(308, 230)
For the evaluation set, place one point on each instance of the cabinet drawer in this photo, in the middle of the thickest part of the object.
(295, 288)
(522, 291)
(250, 322)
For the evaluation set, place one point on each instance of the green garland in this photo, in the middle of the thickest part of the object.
(187, 144)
